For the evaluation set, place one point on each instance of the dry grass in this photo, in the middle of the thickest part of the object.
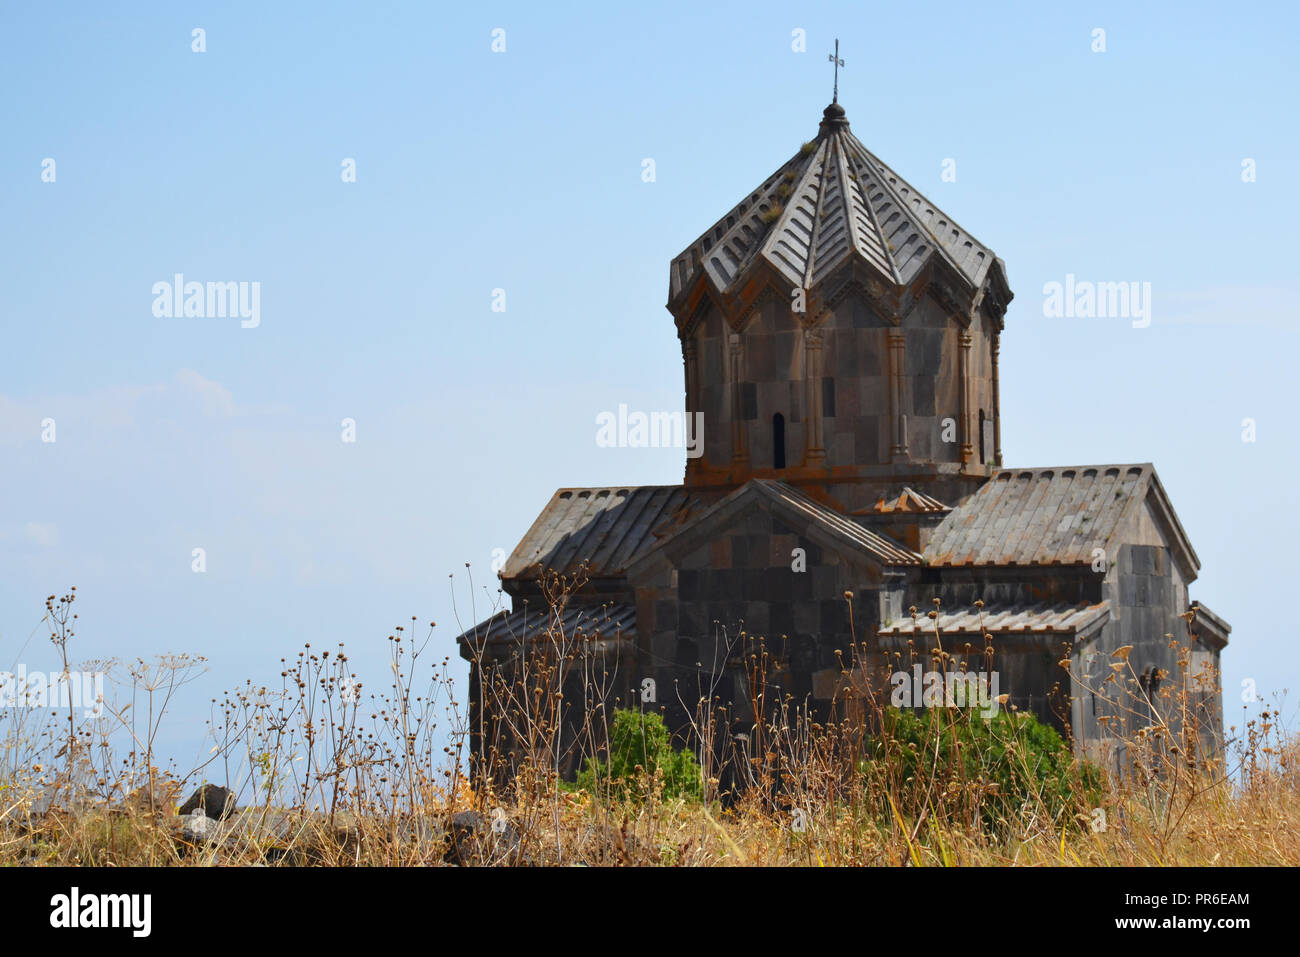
(336, 775)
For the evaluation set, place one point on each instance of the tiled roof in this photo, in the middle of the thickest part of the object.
(1035, 619)
(528, 623)
(605, 528)
(832, 201)
(1041, 516)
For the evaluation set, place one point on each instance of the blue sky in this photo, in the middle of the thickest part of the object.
(521, 171)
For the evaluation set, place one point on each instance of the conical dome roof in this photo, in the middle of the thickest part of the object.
(832, 202)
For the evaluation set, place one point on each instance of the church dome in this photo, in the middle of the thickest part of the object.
(832, 203)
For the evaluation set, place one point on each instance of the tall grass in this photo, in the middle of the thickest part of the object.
(330, 772)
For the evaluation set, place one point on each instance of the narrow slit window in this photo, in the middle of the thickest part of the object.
(778, 441)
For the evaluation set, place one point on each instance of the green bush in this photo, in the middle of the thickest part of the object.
(638, 748)
(1000, 770)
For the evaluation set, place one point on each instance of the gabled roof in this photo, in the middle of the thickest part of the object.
(1055, 516)
(879, 547)
(1019, 517)
(601, 528)
(818, 521)
(832, 201)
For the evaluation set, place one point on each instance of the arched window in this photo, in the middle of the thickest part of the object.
(778, 441)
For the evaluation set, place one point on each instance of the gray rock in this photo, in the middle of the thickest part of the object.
(217, 802)
(198, 829)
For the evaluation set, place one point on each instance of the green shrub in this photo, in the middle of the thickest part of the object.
(998, 770)
(638, 748)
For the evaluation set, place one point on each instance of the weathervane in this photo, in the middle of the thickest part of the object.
(835, 58)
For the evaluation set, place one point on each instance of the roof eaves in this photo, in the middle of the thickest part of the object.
(1218, 629)
(1173, 527)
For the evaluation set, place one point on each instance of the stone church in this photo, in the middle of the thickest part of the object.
(840, 337)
